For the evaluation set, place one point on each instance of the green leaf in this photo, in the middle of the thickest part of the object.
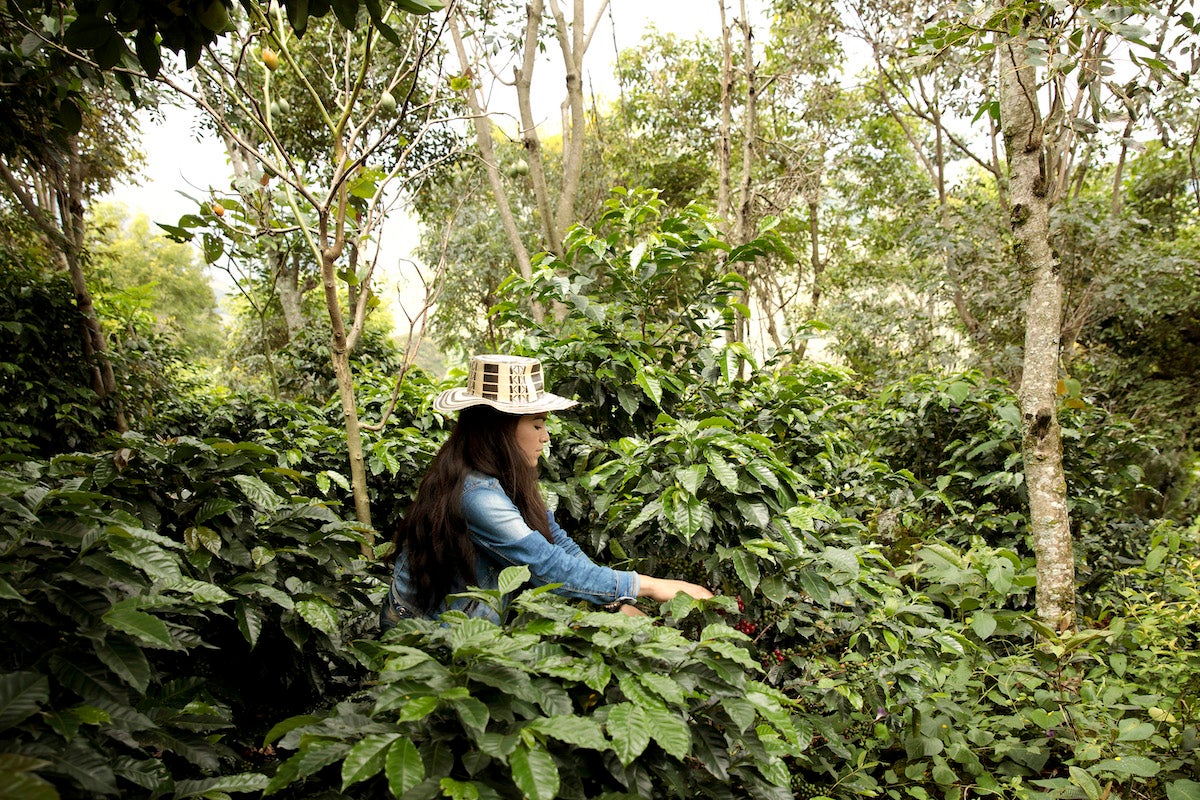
(258, 492)
(534, 772)
(984, 624)
(25, 786)
(21, 693)
(473, 713)
(687, 513)
(209, 787)
(763, 473)
(725, 474)
(1183, 789)
(816, 586)
(636, 255)
(366, 758)
(455, 789)
(629, 730)
(713, 752)
(403, 767)
(1084, 780)
(249, 621)
(1140, 766)
(746, 567)
(213, 247)
(579, 731)
(664, 686)
(125, 659)
(7, 592)
(319, 614)
(650, 385)
(146, 627)
(213, 507)
(417, 708)
(841, 560)
(958, 391)
(1134, 730)
(290, 724)
(512, 578)
(670, 731)
(150, 558)
(203, 536)
(691, 477)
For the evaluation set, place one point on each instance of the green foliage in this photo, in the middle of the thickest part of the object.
(190, 615)
(133, 35)
(160, 605)
(643, 298)
(161, 275)
(559, 702)
(49, 405)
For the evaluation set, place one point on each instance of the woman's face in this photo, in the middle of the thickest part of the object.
(532, 436)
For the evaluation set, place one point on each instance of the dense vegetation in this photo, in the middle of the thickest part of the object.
(813, 375)
(187, 611)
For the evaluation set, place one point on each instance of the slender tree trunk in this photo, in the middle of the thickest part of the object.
(1049, 526)
(523, 83)
(340, 349)
(573, 42)
(487, 151)
(744, 219)
(725, 131)
(745, 210)
(285, 269)
(58, 212)
(816, 263)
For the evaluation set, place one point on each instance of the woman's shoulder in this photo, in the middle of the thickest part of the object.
(478, 480)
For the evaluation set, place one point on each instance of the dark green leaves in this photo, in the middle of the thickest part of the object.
(21, 694)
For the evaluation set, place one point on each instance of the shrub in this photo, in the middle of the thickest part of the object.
(161, 606)
(556, 702)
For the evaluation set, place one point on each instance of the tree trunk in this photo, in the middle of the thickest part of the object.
(285, 269)
(487, 151)
(745, 210)
(340, 355)
(59, 214)
(744, 220)
(574, 126)
(817, 265)
(725, 131)
(523, 83)
(1041, 447)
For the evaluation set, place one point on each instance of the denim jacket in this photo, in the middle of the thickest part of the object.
(503, 539)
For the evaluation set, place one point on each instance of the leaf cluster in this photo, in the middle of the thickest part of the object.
(161, 603)
(558, 702)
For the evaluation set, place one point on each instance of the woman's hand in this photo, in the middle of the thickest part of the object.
(663, 589)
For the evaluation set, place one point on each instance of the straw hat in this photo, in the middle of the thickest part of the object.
(512, 384)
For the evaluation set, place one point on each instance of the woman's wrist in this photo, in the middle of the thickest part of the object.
(663, 589)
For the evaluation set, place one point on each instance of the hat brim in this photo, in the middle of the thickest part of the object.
(457, 399)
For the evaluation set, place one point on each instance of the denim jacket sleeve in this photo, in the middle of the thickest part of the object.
(561, 539)
(498, 529)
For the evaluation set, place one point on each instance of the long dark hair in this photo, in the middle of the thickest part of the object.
(433, 534)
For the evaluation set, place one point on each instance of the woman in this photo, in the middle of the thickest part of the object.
(479, 509)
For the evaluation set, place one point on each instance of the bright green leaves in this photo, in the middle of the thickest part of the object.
(403, 767)
(147, 587)
(528, 709)
(368, 756)
(629, 728)
(149, 629)
(534, 772)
